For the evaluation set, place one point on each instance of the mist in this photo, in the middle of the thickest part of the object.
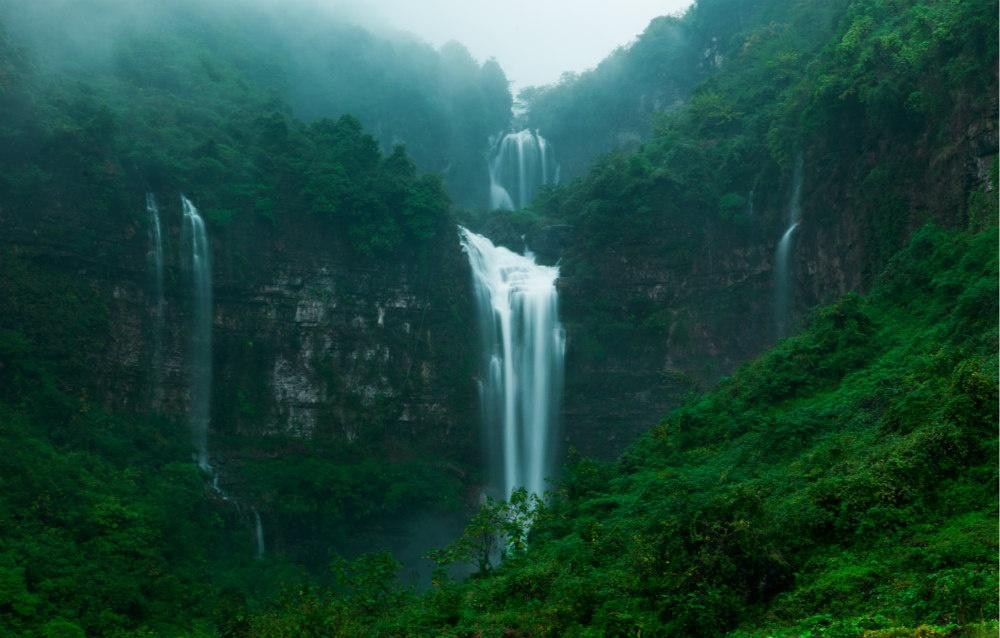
(523, 318)
(535, 43)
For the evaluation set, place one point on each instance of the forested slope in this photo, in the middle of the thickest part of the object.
(616, 104)
(868, 118)
(295, 58)
(109, 528)
(843, 483)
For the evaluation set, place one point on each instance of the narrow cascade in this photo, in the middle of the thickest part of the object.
(258, 533)
(523, 347)
(783, 255)
(520, 164)
(196, 239)
(159, 299)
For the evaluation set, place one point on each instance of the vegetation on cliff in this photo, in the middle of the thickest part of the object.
(209, 78)
(109, 529)
(225, 142)
(890, 109)
(842, 484)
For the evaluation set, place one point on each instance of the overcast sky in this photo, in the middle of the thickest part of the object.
(535, 41)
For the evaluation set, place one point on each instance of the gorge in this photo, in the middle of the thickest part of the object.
(702, 343)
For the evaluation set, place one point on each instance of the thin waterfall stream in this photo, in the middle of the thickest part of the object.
(196, 241)
(783, 283)
(158, 294)
(523, 353)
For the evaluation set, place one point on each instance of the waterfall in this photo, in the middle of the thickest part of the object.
(196, 239)
(258, 533)
(783, 283)
(519, 165)
(523, 347)
(159, 299)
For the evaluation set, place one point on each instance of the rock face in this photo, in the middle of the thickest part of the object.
(650, 321)
(668, 327)
(310, 343)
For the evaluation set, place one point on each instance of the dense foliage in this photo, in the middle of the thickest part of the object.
(616, 104)
(108, 528)
(836, 81)
(845, 482)
(107, 525)
(227, 144)
(442, 104)
(880, 102)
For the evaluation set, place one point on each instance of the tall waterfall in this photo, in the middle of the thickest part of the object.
(519, 165)
(523, 347)
(159, 299)
(782, 257)
(196, 240)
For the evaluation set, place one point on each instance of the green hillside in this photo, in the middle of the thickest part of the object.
(844, 482)
(841, 481)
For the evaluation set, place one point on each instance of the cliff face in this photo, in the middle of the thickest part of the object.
(675, 310)
(314, 349)
(669, 328)
(312, 343)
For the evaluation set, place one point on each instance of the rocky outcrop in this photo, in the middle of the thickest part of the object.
(310, 342)
(675, 311)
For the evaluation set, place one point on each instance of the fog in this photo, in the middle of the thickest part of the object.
(535, 41)
(437, 75)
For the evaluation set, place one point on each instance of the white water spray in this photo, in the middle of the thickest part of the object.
(523, 357)
(196, 239)
(783, 284)
(519, 166)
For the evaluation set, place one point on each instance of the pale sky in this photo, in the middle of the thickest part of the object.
(535, 41)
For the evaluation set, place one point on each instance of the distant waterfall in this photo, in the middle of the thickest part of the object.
(196, 239)
(523, 353)
(159, 300)
(783, 284)
(519, 165)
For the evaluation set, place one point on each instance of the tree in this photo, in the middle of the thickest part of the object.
(498, 530)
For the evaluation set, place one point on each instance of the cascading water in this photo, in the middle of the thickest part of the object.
(520, 164)
(159, 299)
(523, 354)
(196, 240)
(783, 255)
